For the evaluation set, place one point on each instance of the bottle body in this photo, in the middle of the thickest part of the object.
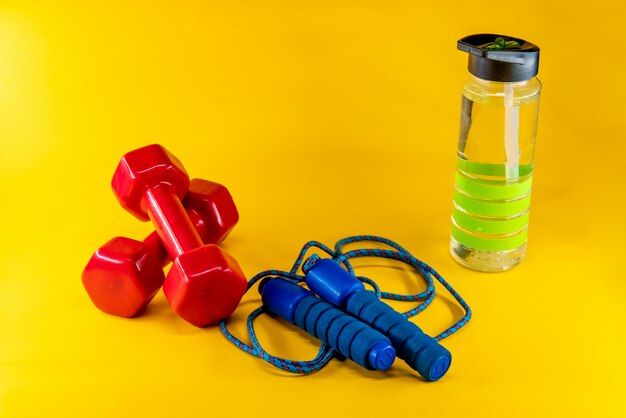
(494, 172)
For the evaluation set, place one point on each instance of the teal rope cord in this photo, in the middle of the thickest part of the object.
(427, 272)
(325, 353)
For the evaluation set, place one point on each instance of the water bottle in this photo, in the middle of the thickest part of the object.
(493, 179)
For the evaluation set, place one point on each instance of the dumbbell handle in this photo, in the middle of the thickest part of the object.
(345, 334)
(421, 352)
(155, 245)
(170, 220)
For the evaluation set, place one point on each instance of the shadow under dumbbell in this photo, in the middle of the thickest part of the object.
(157, 307)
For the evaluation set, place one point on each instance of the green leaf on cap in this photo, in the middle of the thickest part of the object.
(500, 43)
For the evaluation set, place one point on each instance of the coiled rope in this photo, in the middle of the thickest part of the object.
(326, 353)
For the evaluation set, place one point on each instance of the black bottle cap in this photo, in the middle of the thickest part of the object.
(506, 59)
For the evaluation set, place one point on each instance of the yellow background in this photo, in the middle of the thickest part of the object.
(324, 119)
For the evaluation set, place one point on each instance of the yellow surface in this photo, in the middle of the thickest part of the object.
(324, 119)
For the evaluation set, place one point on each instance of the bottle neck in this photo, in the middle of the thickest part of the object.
(514, 84)
(478, 87)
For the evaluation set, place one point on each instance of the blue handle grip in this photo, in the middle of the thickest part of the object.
(345, 334)
(421, 352)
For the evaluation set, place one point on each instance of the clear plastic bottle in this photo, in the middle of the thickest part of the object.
(499, 109)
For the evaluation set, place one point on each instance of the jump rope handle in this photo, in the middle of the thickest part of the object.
(350, 337)
(331, 282)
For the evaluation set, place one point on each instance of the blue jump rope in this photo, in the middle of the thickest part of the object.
(349, 320)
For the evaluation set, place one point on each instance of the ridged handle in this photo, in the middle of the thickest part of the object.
(420, 351)
(345, 334)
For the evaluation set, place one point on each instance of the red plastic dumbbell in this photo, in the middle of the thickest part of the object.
(204, 284)
(124, 275)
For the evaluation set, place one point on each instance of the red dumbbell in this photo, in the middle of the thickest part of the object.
(124, 275)
(204, 284)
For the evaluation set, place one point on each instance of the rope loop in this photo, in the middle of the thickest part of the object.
(326, 353)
